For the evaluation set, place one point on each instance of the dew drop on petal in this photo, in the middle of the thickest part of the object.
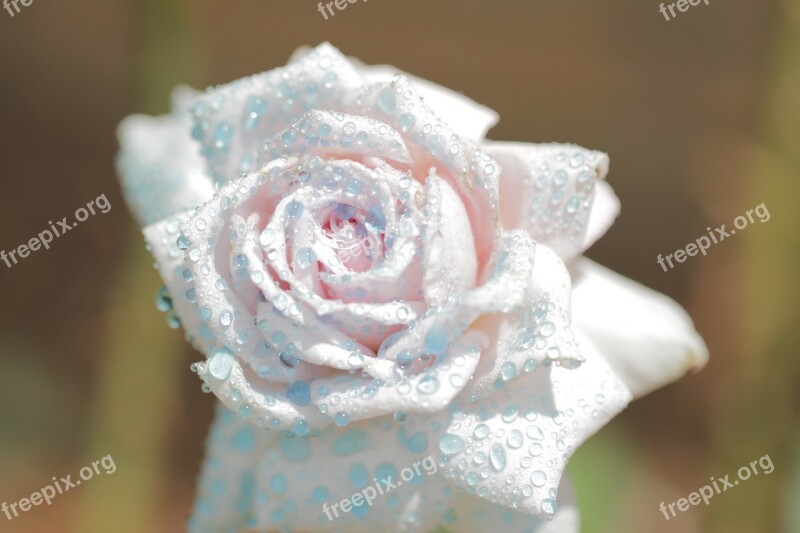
(515, 439)
(220, 364)
(481, 431)
(497, 457)
(451, 444)
(538, 478)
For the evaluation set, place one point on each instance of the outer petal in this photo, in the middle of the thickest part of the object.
(647, 338)
(161, 240)
(232, 121)
(512, 447)
(539, 333)
(159, 166)
(604, 210)
(294, 493)
(225, 493)
(550, 190)
(468, 118)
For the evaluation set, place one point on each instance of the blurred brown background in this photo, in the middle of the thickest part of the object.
(701, 118)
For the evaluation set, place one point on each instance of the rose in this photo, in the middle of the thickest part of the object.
(457, 321)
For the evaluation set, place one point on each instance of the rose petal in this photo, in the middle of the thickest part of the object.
(537, 332)
(340, 135)
(512, 447)
(646, 337)
(472, 172)
(160, 169)
(232, 121)
(226, 488)
(549, 190)
(468, 118)
(161, 240)
(449, 263)
(349, 398)
(296, 494)
(605, 210)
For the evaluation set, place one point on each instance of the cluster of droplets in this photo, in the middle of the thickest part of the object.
(563, 188)
(231, 123)
(164, 304)
(479, 453)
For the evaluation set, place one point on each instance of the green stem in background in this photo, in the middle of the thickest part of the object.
(758, 417)
(141, 368)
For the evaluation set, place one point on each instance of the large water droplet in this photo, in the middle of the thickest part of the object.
(350, 442)
(538, 478)
(299, 392)
(549, 506)
(436, 340)
(508, 371)
(220, 364)
(515, 439)
(428, 384)
(497, 457)
(451, 444)
(481, 431)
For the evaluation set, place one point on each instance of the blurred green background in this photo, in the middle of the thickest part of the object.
(701, 118)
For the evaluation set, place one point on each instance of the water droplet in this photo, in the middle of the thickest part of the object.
(294, 449)
(535, 450)
(350, 442)
(278, 483)
(547, 329)
(299, 392)
(436, 340)
(163, 300)
(515, 439)
(294, 210)
(418, 442)
(341, 419)
(429, 384)
(406, 122)
(183, 243)
(359, 476)
(510, 413)
(288, 359)
(355, 360)
(481, 431)
(220, 364)
(306, 257)
(508, 370)
(573, 204)
(534, 432)
(549, 506)
(497, 457)
(320, 494)
(451, 444)
(538, 478)
(267, 237)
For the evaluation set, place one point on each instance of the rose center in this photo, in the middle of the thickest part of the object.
(357, 236)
